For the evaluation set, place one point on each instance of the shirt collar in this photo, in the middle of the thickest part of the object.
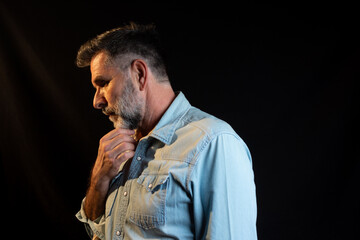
(169, 122)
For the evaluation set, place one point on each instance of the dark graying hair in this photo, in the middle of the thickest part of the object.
(130, 40)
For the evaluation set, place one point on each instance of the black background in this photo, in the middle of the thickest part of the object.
(284, 76)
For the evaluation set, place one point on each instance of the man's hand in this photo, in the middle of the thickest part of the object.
(115, 147)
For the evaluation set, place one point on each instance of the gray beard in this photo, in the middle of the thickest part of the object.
(127, 109)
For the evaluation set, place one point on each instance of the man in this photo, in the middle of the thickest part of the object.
(167, 170)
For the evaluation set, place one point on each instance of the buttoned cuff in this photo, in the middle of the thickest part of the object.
(96, 227)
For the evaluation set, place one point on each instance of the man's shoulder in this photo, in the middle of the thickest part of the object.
(206, 123)
(195, 130)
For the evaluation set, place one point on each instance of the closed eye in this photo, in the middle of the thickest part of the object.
(100, 82)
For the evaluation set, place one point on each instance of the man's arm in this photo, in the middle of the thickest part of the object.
(224, 191)
(115, 147)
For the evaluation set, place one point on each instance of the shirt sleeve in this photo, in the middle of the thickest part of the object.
(96, 228)
(223, 190)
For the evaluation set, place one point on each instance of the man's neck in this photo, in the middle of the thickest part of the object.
(158, 101)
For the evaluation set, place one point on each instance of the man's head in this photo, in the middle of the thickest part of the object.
(122, 61)
(127, 43)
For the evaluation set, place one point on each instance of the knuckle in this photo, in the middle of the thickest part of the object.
(108, 156)
(106, 147)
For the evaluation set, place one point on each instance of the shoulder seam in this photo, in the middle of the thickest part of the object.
(206, 142)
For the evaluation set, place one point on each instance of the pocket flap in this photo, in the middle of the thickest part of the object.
(152, 182)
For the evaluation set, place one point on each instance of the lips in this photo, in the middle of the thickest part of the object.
(108, 113)
(112, 116)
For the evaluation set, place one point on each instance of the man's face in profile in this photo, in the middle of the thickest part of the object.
(116, 94)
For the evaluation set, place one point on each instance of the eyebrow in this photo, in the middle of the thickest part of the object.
(100, 80)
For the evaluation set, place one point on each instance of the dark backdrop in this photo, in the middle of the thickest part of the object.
(284, 76)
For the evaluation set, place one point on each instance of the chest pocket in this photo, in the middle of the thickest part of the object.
(147, 201)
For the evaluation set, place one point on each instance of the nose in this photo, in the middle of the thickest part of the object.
(99, 101)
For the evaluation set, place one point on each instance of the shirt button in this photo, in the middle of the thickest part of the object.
(125, 193)
(117, 233)
(150, 185)
(138, 158)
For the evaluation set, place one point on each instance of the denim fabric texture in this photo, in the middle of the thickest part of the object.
(191, 178)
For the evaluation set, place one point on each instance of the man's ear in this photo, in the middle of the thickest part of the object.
(140, 73)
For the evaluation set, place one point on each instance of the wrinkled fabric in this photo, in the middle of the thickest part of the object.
(190, 178)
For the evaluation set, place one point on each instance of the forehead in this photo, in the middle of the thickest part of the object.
(100, 62)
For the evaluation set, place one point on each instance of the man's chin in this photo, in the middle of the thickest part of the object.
(119, 123)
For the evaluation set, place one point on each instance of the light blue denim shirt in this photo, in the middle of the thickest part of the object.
(190, 178)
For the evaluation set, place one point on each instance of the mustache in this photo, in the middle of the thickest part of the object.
(108, 111)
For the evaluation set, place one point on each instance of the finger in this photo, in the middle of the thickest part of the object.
(115, 146)
(125, 156)
(119, 139)
(121, 148)
(125, 131)
(114, 142)
(115, 132)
